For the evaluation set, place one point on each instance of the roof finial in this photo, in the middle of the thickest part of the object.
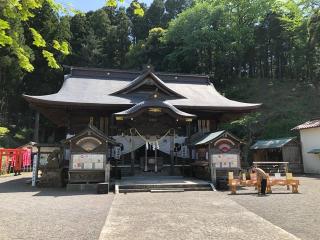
(148, 67)
(91, 121)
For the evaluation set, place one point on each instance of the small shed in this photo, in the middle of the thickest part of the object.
(310, 145)
(219, 148)
(279, 150)
(89, 153)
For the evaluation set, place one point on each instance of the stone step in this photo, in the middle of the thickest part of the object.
(167, 190)
(164, 188)
(161, 186)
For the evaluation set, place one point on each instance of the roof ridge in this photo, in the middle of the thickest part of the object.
(272, 139)
(135, 71)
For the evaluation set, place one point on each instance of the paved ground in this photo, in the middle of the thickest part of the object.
(187, 215)
(32, 213)
(295, 213)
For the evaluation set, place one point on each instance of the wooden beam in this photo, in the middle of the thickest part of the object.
(172, 153)
(213, 172)
(132, 161)
(36, 127)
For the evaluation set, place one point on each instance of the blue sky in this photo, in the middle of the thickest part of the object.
(88, 5)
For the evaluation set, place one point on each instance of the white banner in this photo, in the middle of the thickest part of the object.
(133, 143)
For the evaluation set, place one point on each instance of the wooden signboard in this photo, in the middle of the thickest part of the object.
(87, 161)
(226, 160)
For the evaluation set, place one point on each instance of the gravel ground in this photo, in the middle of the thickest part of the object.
(295, 213)
(33, 213)
(184, 216)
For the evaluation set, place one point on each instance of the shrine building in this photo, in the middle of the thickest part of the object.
(153, 120)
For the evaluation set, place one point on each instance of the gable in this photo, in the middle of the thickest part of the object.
(148, 83)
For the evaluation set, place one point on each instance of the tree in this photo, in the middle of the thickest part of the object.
(150, 51)
(314, 48)
(201, 37)
(155, 14)
(15, 13)
(139, 27)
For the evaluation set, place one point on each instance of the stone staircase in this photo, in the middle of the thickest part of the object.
(164, 188)
(161, 187)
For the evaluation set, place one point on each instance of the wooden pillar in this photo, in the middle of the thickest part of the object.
(0, 161)
(36, 127)
(101, 124)
(212, 165)
(132, 162)
(106, 126)
(146, 159)
(107, 171)
(155, 160)
(172, 153)
(112, 126)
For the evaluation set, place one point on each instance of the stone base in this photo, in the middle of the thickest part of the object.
(103, 188)
(82, 187)
(52, 178)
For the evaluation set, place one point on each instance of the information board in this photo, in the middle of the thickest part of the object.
(226, 160)
(87, 161)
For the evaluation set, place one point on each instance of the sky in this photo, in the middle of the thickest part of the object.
(89, 5)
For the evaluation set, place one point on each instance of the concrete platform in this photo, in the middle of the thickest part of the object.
(185, 216)
(165, 183)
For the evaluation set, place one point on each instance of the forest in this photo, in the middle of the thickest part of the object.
(264, 51)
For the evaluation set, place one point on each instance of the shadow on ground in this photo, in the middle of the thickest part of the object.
(23, 184)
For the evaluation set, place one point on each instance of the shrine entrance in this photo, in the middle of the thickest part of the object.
(149, 132)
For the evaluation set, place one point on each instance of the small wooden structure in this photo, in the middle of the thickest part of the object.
(16, 158)
(89, 154)
(217, 153)
(279, 150)
(40, 160)
(288, 180)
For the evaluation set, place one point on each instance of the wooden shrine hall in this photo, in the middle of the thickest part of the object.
(150, 117)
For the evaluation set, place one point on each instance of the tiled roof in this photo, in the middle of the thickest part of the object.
(315, 151)
(97, 87)
(310, 124)
(209, 137)
(153, 103)
(271, 143)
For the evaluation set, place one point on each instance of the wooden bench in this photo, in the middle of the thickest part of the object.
(243, 182)
(288, 181)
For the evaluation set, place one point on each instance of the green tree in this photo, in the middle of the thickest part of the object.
(15, 13)
(139, 27)
(155, 14)
(152, 51)
(314, 48)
